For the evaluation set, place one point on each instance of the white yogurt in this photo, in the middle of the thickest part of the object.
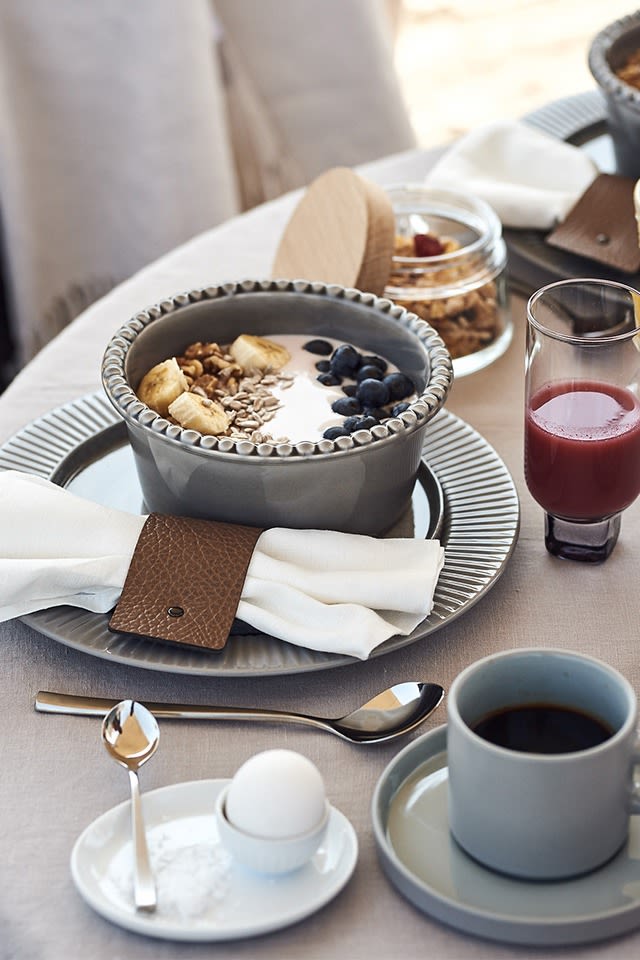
(305, 411)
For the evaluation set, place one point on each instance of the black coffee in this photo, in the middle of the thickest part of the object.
(542, 728)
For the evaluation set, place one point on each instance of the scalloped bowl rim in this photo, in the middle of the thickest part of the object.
(599, 64)
(124, 399)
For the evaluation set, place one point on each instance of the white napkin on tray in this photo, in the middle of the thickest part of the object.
(530, 178)
(335, 592)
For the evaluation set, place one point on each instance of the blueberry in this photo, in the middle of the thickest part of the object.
(322, 347)
(365, 423)
(399, 408)
(346, 360)
(350, 389)
(323, 366)
(373, 393)
(350, 424)
(374, 361)
(346, 406)
(400, 385)
(329, 379)
(332, 433)
(369, 372)
(378, 413)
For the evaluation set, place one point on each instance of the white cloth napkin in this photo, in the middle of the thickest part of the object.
(530, 178)
(335, 592)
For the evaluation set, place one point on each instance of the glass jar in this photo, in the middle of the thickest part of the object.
(449, 268)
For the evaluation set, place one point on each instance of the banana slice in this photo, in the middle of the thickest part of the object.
(161, 385)
(194, 412)
(258, 353)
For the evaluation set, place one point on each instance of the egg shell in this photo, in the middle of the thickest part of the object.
(276, 794)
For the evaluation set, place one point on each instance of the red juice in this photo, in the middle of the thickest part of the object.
(582, 449)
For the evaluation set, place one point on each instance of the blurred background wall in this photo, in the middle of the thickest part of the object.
(464, 62)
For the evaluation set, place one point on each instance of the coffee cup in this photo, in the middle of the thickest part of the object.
(541, 747)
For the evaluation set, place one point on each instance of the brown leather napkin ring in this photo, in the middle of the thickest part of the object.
(185, 580)
(602, 225)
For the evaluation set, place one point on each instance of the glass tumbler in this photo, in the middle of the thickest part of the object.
(582, 412)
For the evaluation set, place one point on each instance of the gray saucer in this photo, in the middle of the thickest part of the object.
(422, 860)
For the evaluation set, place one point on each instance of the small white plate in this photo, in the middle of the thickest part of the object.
(202, 893)
(421, 858)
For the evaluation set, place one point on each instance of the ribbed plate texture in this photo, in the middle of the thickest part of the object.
(479, 533)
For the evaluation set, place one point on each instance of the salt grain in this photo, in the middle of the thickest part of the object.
(189, 880)
(192, 879)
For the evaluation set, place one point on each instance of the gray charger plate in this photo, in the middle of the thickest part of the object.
(421, 859)
(464, 495)
(581, 121)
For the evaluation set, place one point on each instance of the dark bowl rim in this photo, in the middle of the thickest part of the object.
(137, 414)
(599, 63)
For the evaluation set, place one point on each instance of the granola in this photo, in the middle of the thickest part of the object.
(629, 72)
(467, 321)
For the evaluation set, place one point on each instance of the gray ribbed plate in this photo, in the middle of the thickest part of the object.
(81, 443)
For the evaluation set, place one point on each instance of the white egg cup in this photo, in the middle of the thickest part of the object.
(264, 854)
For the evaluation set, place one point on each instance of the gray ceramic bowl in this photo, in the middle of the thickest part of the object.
(608, 52)
(357, 484)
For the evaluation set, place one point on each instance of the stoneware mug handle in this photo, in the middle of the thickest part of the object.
(634, 787)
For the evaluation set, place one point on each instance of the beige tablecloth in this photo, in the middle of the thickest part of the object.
(56, 778)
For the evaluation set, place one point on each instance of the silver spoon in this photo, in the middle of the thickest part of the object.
(130, 733)
(390, 714)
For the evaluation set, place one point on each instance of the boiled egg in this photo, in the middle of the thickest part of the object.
(275, 795)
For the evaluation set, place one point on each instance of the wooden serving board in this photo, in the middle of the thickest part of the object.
(342, 231)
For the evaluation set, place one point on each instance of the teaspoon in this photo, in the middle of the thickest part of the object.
(388, 715)
(130, 733)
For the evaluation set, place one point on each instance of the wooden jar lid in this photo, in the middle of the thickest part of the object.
(342, 231)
